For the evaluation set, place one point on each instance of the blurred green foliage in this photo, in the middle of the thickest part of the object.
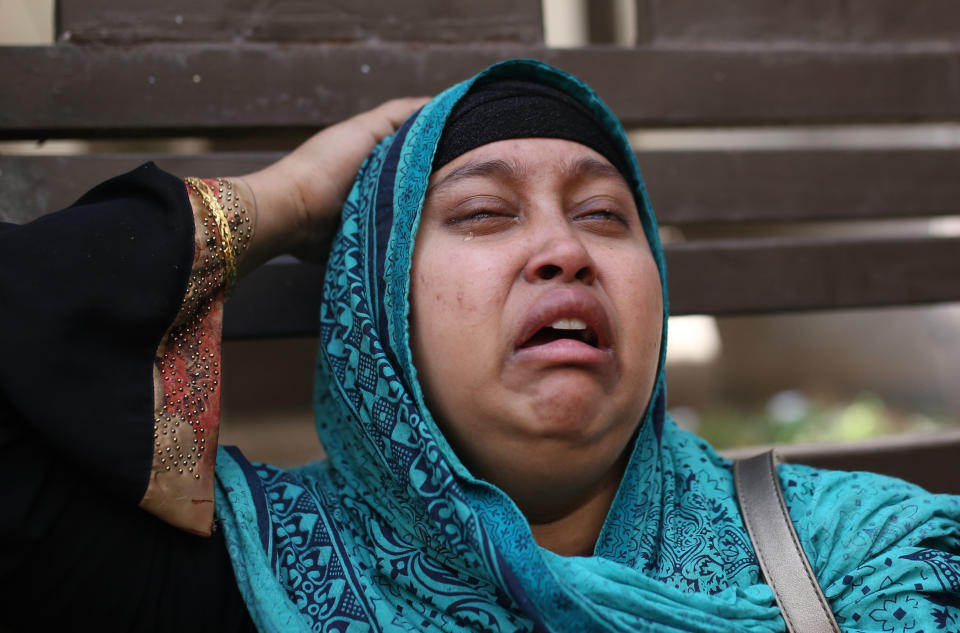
(792, 417)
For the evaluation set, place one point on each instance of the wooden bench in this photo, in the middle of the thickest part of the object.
(220, 70)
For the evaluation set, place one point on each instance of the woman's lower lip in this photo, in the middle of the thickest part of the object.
(563, 352)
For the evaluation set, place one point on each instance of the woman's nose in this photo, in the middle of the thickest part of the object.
(561, 257)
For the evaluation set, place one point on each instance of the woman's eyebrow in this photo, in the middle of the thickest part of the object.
(593, 168)
(493, 168)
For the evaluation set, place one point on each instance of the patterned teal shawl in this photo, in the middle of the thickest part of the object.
(393, 533)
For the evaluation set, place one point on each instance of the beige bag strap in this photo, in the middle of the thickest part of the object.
(781, 557)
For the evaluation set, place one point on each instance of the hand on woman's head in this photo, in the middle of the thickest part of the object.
(298, 198)
(325, 166)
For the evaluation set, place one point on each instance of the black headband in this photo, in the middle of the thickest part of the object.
(504, 109)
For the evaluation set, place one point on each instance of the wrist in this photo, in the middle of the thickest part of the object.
(224, 224)
(274, 212)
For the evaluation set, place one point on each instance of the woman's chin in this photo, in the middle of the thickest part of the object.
(569, 405)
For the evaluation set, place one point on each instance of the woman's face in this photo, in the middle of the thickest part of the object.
(536, 317)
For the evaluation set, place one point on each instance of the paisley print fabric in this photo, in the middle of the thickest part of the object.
(393, 533)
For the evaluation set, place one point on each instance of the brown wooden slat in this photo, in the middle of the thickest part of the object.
(782, 274)
(719, 277)
(279, 299)
(35, 185)
(73, 90)
(840, 21)
(929, 461)
(601, 18)
(300, 21)
(686, 187)
(282, 298)
(689, 187)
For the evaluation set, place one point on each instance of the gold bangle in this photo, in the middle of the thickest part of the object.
(223, 226)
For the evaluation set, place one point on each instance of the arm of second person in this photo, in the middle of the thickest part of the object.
(298, 198)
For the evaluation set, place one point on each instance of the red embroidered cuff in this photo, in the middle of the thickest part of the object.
(187, 368)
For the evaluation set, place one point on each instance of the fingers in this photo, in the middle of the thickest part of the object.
(397, 110)
(299, 197)
(390, 115)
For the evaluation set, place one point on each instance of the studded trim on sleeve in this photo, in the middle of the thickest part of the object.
(187, 372)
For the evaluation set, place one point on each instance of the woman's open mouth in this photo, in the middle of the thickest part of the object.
(565, 326)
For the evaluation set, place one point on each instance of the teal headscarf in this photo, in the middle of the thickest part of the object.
(393, 533)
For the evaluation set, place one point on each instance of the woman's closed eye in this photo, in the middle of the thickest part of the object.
(607, 221)
(483, 220)
(476, 216)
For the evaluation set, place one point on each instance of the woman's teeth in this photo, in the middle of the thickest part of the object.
(568, 324)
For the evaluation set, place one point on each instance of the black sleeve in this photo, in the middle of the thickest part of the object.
(85, 296)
